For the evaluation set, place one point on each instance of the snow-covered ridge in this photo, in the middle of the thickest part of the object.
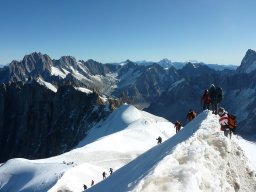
(198, 158)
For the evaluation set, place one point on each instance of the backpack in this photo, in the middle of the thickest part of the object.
(219, 94)
(231, 121)
(212, 92)
(192, 115)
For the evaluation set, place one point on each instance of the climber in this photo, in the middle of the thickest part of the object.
(159, 140)
(177, 125)
(224, 122)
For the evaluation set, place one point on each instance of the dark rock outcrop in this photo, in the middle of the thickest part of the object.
(96, 68)
(37, 123)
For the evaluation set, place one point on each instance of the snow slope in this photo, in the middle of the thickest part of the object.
(249, 149)
(123, 136)
(198, 158)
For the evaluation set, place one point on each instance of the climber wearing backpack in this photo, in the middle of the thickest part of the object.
(205, 100)
(216, 95)
(191, 115)
(219, 96)
(224, 122)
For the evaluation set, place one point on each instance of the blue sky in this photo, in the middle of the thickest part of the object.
(212, 31)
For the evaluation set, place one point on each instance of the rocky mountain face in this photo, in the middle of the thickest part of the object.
(36, 122)
(240, 91)
(143, 84)
(32, 65)
(248, 63)
(185, 93)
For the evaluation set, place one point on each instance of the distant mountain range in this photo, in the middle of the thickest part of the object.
(166, 63)
(43, 87)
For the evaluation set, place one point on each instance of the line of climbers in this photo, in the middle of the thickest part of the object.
(104, 175)
(211, 99)
(190, 116)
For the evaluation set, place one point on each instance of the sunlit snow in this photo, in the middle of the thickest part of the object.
(47, 84)
(57, 72)
(82, 89)
(198, 158)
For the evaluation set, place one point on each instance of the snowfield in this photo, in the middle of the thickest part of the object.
(123, 136)
(198, 158)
